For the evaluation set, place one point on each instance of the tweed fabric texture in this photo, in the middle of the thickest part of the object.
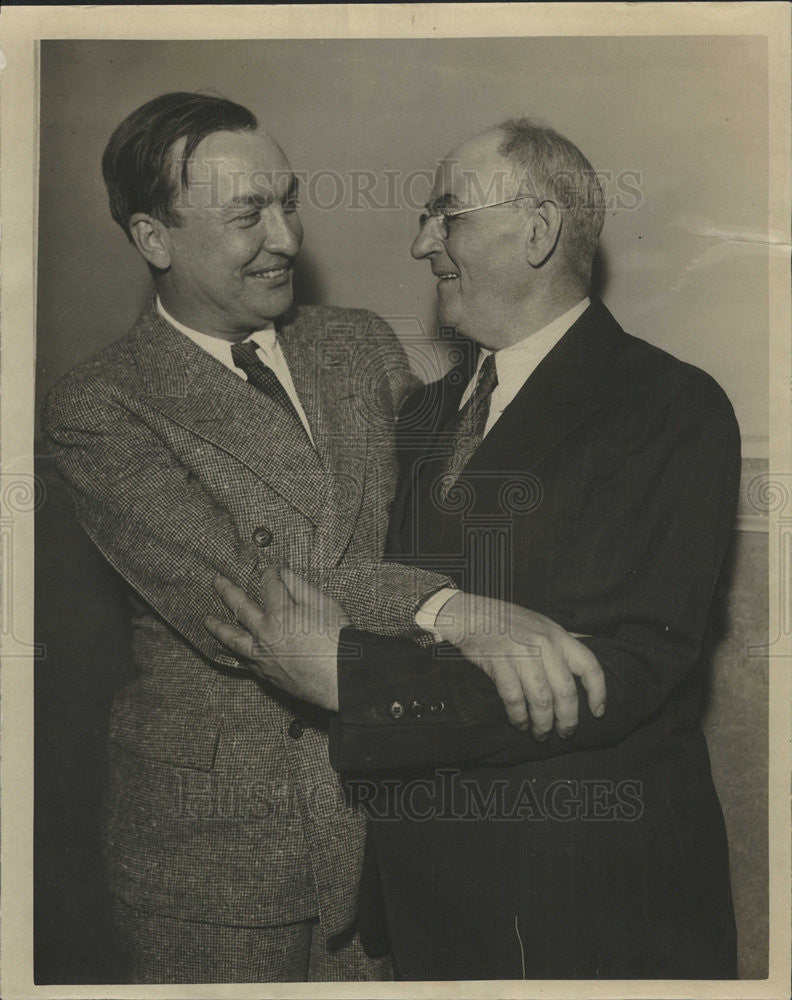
(162, 949)
(214, 811)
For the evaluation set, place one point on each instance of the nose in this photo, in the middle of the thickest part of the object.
(428, 240)
(284, 232)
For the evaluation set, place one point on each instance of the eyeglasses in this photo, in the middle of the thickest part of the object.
(443, 214)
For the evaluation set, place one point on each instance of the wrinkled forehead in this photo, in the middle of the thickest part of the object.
(473, 173)
(233, 166)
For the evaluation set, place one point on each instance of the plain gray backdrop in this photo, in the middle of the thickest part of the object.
(684, 261)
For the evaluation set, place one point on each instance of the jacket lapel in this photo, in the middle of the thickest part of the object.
(325, 378)
(200, 394)
(566, 388)
(302, 361)
(563, 391)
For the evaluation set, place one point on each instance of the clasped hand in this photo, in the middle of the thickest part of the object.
(532, 661)
(291, 640)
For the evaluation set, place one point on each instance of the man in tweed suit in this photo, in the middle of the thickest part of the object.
(229, 849)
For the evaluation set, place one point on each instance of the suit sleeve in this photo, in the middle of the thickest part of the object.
(640, 572)
(388, 357)
(149, 516)
(383, 597)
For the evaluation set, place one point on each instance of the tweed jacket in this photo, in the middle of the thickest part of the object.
(221, 803)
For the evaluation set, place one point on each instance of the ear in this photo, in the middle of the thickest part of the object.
(150, 237)
(544, 228)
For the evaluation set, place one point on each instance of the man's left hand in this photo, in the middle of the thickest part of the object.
(290, 639)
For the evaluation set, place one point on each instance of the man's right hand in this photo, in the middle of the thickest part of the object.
(532, 661)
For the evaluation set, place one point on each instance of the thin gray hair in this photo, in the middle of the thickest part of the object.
(550, 167)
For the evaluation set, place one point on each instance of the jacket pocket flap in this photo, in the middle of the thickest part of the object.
(160, 734)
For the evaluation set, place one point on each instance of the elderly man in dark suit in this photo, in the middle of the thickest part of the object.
(229, 430)
(591, 478)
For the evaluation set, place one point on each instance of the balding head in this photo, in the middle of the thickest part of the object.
(509, 241)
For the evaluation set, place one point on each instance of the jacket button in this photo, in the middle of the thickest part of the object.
(296, 727)
(396, 710)
(262, 537)
(416, 709)
(437, 707)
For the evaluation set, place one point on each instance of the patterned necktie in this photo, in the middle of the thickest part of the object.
(467, 428)
(261, 376)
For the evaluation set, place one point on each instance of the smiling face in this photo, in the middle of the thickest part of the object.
(483, 276)
(229, 262)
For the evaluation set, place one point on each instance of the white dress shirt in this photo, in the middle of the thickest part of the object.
(514, 365)
(267, 348)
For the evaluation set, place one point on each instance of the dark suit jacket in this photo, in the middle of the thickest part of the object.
(220, 806)
(604, 498)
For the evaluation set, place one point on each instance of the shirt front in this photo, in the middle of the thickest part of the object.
(516, 363)
(267, 348)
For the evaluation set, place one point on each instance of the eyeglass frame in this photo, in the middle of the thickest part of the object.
(445, 215)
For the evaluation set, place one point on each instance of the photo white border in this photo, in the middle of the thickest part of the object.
(20, 30)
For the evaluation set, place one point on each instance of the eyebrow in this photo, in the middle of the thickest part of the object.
(446, 200)
(260, 199)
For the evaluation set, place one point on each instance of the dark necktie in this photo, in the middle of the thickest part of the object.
(467, 428)
(262, 377)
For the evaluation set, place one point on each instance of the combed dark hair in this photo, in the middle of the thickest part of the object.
(137, 166)
(547, 165)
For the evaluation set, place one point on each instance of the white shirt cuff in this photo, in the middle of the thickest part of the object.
(430, 608)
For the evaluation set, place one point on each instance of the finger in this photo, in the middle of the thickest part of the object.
(327, 611)
(246, 611)
(564, 690)
(300, 591)
(233, 637)
(537, 693)
(270, 574)
(274, 594)
(271, 588)
(507, 682)
(585, 665)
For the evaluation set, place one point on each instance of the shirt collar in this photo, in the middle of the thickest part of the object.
(220, 349)
(512, 362)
